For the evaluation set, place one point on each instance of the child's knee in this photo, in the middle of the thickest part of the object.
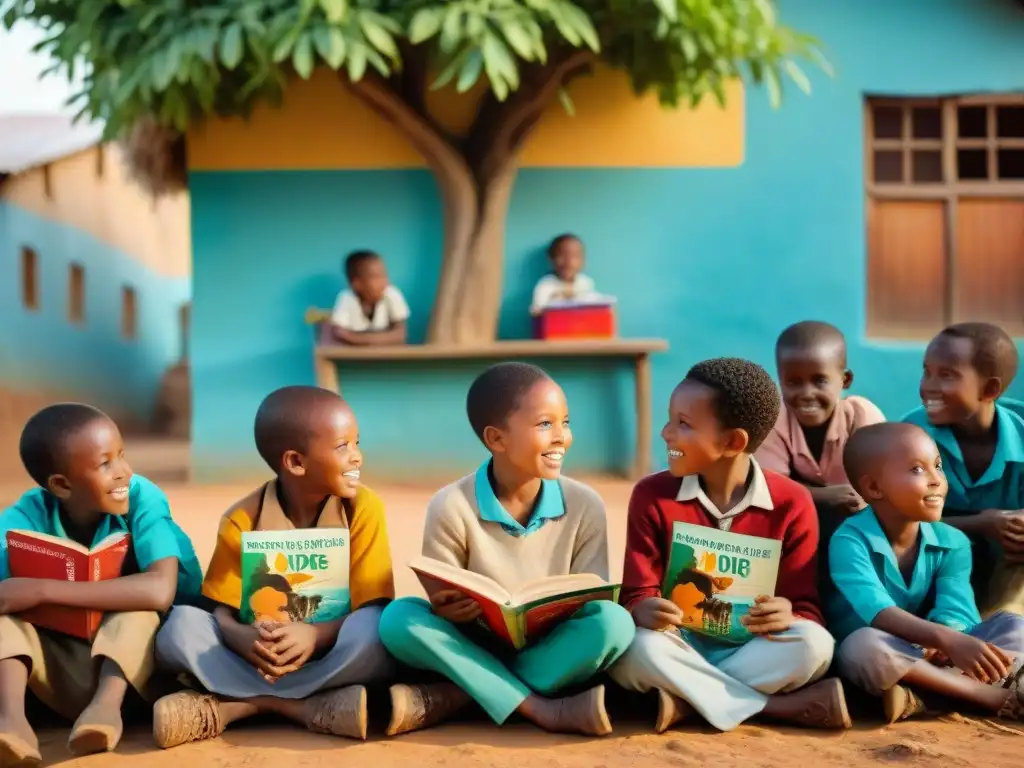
(819, 645)
(645, 649)
(615, 626)
(361, 633)
(864, 658)
(185, 625)
(397, 620)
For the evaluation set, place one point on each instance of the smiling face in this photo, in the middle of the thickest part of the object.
(908, 476)
(952, 390)
(96, 477)
(693, 435)
(536, 435)
(812, 381)
(332, 461)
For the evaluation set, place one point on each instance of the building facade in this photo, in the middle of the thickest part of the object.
(889, 202)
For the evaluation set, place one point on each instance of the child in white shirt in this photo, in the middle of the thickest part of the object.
(566, 282)
(371, 310)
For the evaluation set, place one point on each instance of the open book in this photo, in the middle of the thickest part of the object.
(714, 576)
(41, 556)
(521, 617)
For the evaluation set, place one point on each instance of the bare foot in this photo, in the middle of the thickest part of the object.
(341, 712)
(186, 716)
(583, 713)
(420, 706)
(18, 743)
(671, 711)
(97, 729)
(822, 705)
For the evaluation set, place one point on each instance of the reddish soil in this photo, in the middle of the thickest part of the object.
(953, 741)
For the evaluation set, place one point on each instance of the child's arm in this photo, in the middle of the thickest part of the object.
(396, 334)
(444, 534)
(151, 590)
(798, 568)
(590, 551)
(955, 606)
(643, 566)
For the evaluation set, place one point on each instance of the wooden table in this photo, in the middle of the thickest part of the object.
(327, 356)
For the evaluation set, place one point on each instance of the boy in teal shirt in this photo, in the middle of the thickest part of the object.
(514, 520)
(87, 491)
(904, 611)
(967, 368)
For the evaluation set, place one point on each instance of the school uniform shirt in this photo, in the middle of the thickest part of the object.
(1001, 486)
(154, 534)
(552, 288)
(348, 311)
(785, 449)
(773, 507)
(370, 575)
(868, 579)
(467, 527)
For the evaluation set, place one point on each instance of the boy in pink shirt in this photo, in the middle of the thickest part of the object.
(816, 421)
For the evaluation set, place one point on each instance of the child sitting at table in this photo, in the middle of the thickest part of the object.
(566, 282)
(371, 311)
(905, 614)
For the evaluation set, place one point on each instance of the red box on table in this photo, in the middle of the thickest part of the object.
(582, 320)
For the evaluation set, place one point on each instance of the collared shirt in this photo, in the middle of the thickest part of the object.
(348, 311)
(1001, 486)
(370, 574)
(549, 504)
(868, 579)
(154, 534)
(785, 450)
(552, 288)
(756, 495)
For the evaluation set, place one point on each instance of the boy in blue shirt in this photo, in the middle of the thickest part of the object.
(87, 492)
(904, 611)
(967, 368)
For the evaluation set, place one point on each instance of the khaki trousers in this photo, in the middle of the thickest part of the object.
(64, 670)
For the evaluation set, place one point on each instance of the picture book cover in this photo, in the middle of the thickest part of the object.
(525, 615)
(40, 556)
(714, 577)
(299, 575)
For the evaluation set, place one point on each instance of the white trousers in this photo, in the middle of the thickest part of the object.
(736, 683)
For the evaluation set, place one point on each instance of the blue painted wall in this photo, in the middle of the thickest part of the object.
(726, 258)
(42, 351)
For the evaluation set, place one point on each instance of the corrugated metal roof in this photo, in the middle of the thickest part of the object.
(29, 140)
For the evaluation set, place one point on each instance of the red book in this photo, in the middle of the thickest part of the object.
(522, 617)
(41, 556)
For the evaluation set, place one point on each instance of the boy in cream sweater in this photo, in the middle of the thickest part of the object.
(514, 520)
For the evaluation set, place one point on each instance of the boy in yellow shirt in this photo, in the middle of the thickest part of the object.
(313, 674)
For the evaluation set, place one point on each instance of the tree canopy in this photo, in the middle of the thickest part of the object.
(178, 60)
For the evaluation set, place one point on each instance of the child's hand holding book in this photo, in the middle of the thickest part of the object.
(18, 595)
(977, 659)
(769, 616)
(657, 614)
(290, 645)
(453, 606)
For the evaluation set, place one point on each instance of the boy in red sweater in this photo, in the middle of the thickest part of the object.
(718, 416)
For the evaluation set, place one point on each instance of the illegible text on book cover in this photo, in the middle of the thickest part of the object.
(290, 576)
(713, 576)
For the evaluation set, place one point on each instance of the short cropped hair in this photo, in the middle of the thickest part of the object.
(557, 241)
(497, 393)
(867, 445)
(811, 334)
(286, 419)
(44, 439)
(994, 355)
(355, 261)
(745, 395)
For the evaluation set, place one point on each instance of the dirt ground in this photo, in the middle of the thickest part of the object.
(952, 741)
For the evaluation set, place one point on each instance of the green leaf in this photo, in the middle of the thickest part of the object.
(771, 79)
(334, 10)
(451, 30)
(690, 49)
(379, 37)
(667, 8)
(797, 76)
(330, 44)
(470, 72)
(519, 40)
(566, 100)
(449, 72)
(425, 23)
(283, 49)
(582, 24)
(356, 62)
(302, 56)
(231, 46)
(498, 61)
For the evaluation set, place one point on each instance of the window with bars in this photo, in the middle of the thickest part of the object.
(945, 213)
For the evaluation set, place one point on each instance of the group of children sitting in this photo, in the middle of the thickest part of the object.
(372, 311)
(899, 616)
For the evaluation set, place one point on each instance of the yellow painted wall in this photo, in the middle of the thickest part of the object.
(321, 126)
(110, 206)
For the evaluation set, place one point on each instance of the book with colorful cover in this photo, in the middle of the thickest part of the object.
(35, 555)
(714, 577)
(525, 615)
(297, 575)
